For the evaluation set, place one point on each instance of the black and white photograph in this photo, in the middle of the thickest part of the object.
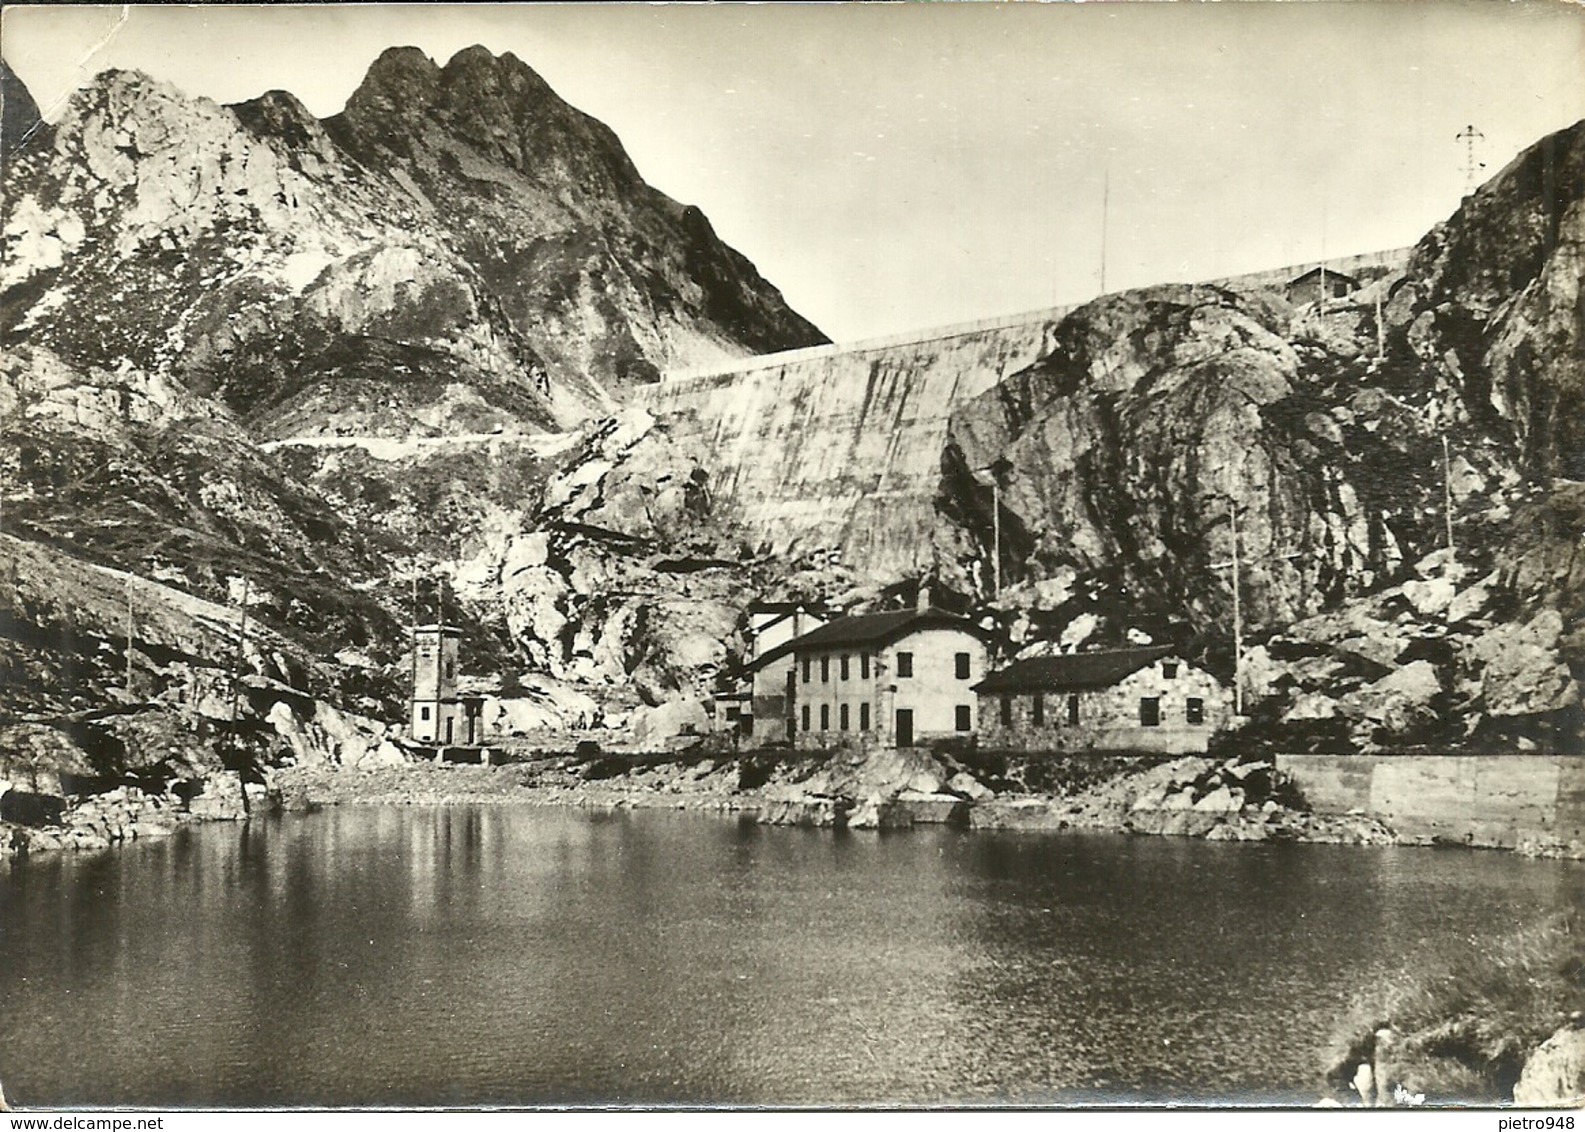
(792, 556)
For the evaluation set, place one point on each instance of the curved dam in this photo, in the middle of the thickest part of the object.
(840, 446)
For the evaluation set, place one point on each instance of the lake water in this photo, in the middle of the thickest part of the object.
(519, 955)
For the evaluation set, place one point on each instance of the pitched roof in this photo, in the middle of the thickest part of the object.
(1316, 271)
(1072, 670)
(869, 629)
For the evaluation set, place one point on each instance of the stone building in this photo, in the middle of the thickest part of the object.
(880, 680)
(438, 714)
(1140, 699)
(1320, 283)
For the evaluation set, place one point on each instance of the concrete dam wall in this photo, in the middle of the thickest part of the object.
(1500, 801)
(841, 446)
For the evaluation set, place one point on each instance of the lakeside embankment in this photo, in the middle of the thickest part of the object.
(1192, 796)
(1219, 799)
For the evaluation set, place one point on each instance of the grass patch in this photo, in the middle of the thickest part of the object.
(1467, 1027)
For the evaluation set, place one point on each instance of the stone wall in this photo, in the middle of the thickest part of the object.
(1109, 718)
(1534, 803)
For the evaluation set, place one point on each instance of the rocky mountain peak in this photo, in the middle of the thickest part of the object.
(278, 117)
(402, 81)
(608, 278)
(498, 105)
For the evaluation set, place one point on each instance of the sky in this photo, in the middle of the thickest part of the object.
(901, 166)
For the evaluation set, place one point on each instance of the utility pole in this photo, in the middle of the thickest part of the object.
(1106, 195)
(129, 637)
(1447, 493)
(1238, 620)
(1469, 135)
(242, 645)
(996, 537)
(1381, 332)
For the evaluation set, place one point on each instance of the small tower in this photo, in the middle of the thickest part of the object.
(437, 715)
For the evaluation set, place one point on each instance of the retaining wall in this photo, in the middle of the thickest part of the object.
(1502, 801)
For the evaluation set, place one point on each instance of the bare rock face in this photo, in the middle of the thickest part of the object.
(1491, 303)
(237, 250)
(1554, 1075)
(1157, 414)
(609, 280)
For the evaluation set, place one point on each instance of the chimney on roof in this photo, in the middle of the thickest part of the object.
(922, 602)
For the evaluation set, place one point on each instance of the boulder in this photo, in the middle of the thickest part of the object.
(876, 812)
(1399, 702)
(1222, 800)
(1430, 598)
(970, 787)
(1522, 673)
(1471, 601)
(1554, 1075)
(222, 799)
(653, 726)
(818, 813)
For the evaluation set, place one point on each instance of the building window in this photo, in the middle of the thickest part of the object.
(842, 716)
(844, 666)
(1150, 711)
(864, 666)
(825, 717)
(1039, 709)
(806, 670)
(806, 717)
(962, 662)
(825, 670)
(965, 720)
(905, 664)
(1194, 710)
(423, 713)
(451, 668)
(1073, 711)
(1169, 670)
(864, 717)
(1007, 710)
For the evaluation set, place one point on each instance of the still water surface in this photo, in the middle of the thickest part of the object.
(504, 955)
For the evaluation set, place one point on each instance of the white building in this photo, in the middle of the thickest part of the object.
(762, 708)
(878, 680)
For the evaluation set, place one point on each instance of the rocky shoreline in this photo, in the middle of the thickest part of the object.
(127, 813)
(1210, 798)
(1220, 800)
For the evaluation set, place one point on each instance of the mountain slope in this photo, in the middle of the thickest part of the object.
(605, 276)
(1163, 411)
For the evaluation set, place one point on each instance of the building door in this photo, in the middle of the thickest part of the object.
(905, 727)
(450, 722)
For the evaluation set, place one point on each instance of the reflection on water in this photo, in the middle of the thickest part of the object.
(501, 955)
